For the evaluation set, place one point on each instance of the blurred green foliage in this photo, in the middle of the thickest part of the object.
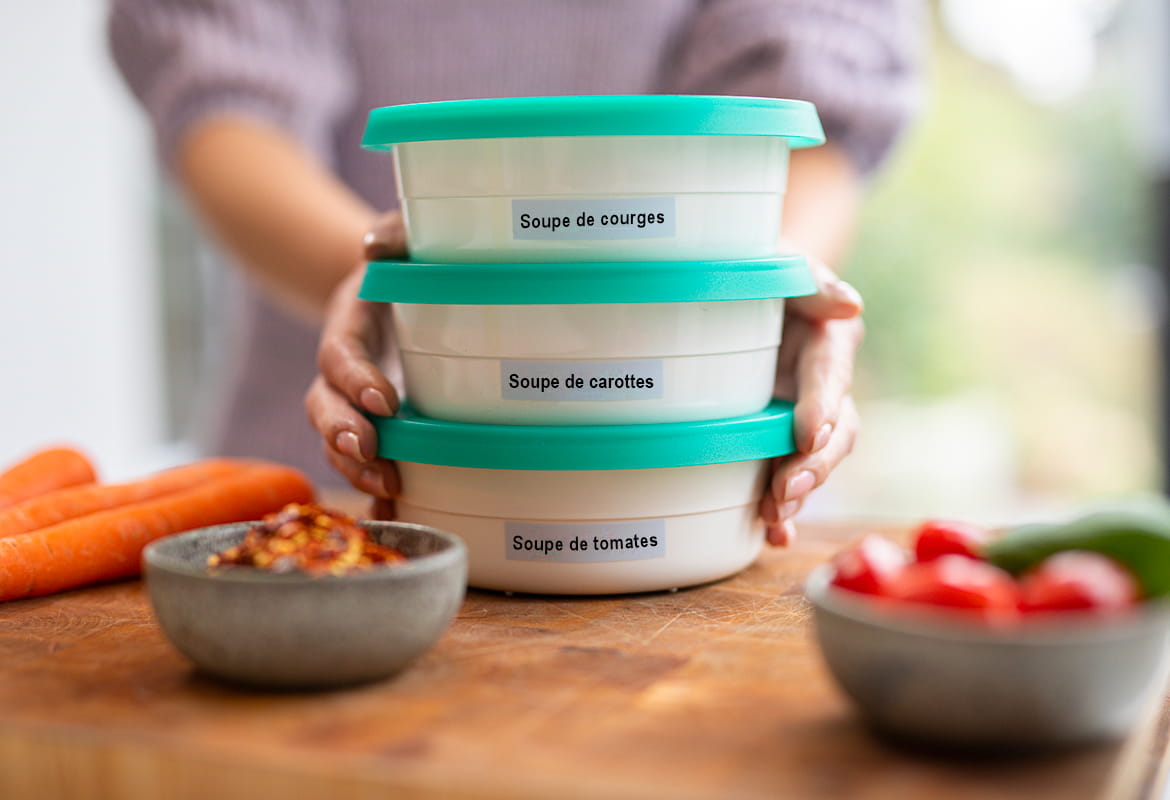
(988, 257)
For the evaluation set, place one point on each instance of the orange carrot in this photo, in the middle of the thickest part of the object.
(108, 545)
(44, 471)
(77, 501)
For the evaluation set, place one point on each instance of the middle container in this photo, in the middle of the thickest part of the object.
(589, 343)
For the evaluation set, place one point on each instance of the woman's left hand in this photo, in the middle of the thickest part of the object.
(821, 335)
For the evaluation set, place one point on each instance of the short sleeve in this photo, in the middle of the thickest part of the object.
(281, 61)
(859, 61)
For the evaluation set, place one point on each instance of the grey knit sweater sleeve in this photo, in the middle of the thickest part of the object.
(314, 67)
(858, 60)
(281, 61)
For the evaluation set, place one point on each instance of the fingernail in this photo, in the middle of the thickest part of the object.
(847, 294)
(349, 444)
(789, 509)
(799, 485)
(371, 479)
(370, 248)
(375, 402)
(375, 248)
(822, 437)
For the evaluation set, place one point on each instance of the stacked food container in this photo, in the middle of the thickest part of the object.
(589, 328)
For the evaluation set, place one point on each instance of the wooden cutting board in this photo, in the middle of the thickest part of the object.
(714, 692)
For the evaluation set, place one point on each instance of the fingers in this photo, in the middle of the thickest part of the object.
(350, 442)
(351, 340)
(834, 298)
(344, 428)
(797, 475)
(779, 532)
(815, 367)
(794, 477)
(350, 383)
(386, 239)
(824, 378)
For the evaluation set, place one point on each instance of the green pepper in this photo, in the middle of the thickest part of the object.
(1138, 537)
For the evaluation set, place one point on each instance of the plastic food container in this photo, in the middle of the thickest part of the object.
(597, 178)
(588, 343)
(591, 509)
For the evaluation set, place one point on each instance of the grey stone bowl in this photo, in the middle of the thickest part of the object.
(952, 684)
(296, 631)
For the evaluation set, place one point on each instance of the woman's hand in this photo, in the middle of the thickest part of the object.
(349, 380)
(821, 335)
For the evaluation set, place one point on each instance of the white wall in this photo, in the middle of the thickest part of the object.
(79, 327)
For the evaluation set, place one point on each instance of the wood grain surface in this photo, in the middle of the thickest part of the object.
(712, 692)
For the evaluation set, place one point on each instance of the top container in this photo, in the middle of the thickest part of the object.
(596, 178)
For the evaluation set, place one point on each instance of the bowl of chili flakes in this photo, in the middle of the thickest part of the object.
(307, 597)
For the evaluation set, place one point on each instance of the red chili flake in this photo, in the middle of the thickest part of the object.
(311, 539)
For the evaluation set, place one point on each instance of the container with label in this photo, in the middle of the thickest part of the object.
(588, 343)
(591, 509)
(593, 178)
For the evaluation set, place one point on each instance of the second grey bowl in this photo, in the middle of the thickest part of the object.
(942, 681)
(298, 631)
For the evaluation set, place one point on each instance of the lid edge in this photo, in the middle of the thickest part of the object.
(594, 115)
(587, 283)
(413, 438)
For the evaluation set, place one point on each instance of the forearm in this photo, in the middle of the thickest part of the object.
(821, 206)
(290, 223)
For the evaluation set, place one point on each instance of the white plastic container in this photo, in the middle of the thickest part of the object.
(593, 509)
(595, 178)
(590, 343)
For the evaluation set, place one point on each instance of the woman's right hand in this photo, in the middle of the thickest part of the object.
(349, 383)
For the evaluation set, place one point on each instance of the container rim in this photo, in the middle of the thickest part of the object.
(587, 283)
(165, 554)
(411, 437)
(594, 115)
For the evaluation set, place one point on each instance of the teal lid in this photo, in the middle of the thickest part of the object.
(597, 115)
(592, 282)
(417, 439)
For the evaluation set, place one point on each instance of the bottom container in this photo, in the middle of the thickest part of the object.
(596, 509)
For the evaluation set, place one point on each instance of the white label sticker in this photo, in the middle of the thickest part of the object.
(639, 379)
(627, 540)
(613, 218)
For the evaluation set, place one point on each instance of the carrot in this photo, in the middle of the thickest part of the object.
(108, 544)
(44, 471)
(77, 501)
